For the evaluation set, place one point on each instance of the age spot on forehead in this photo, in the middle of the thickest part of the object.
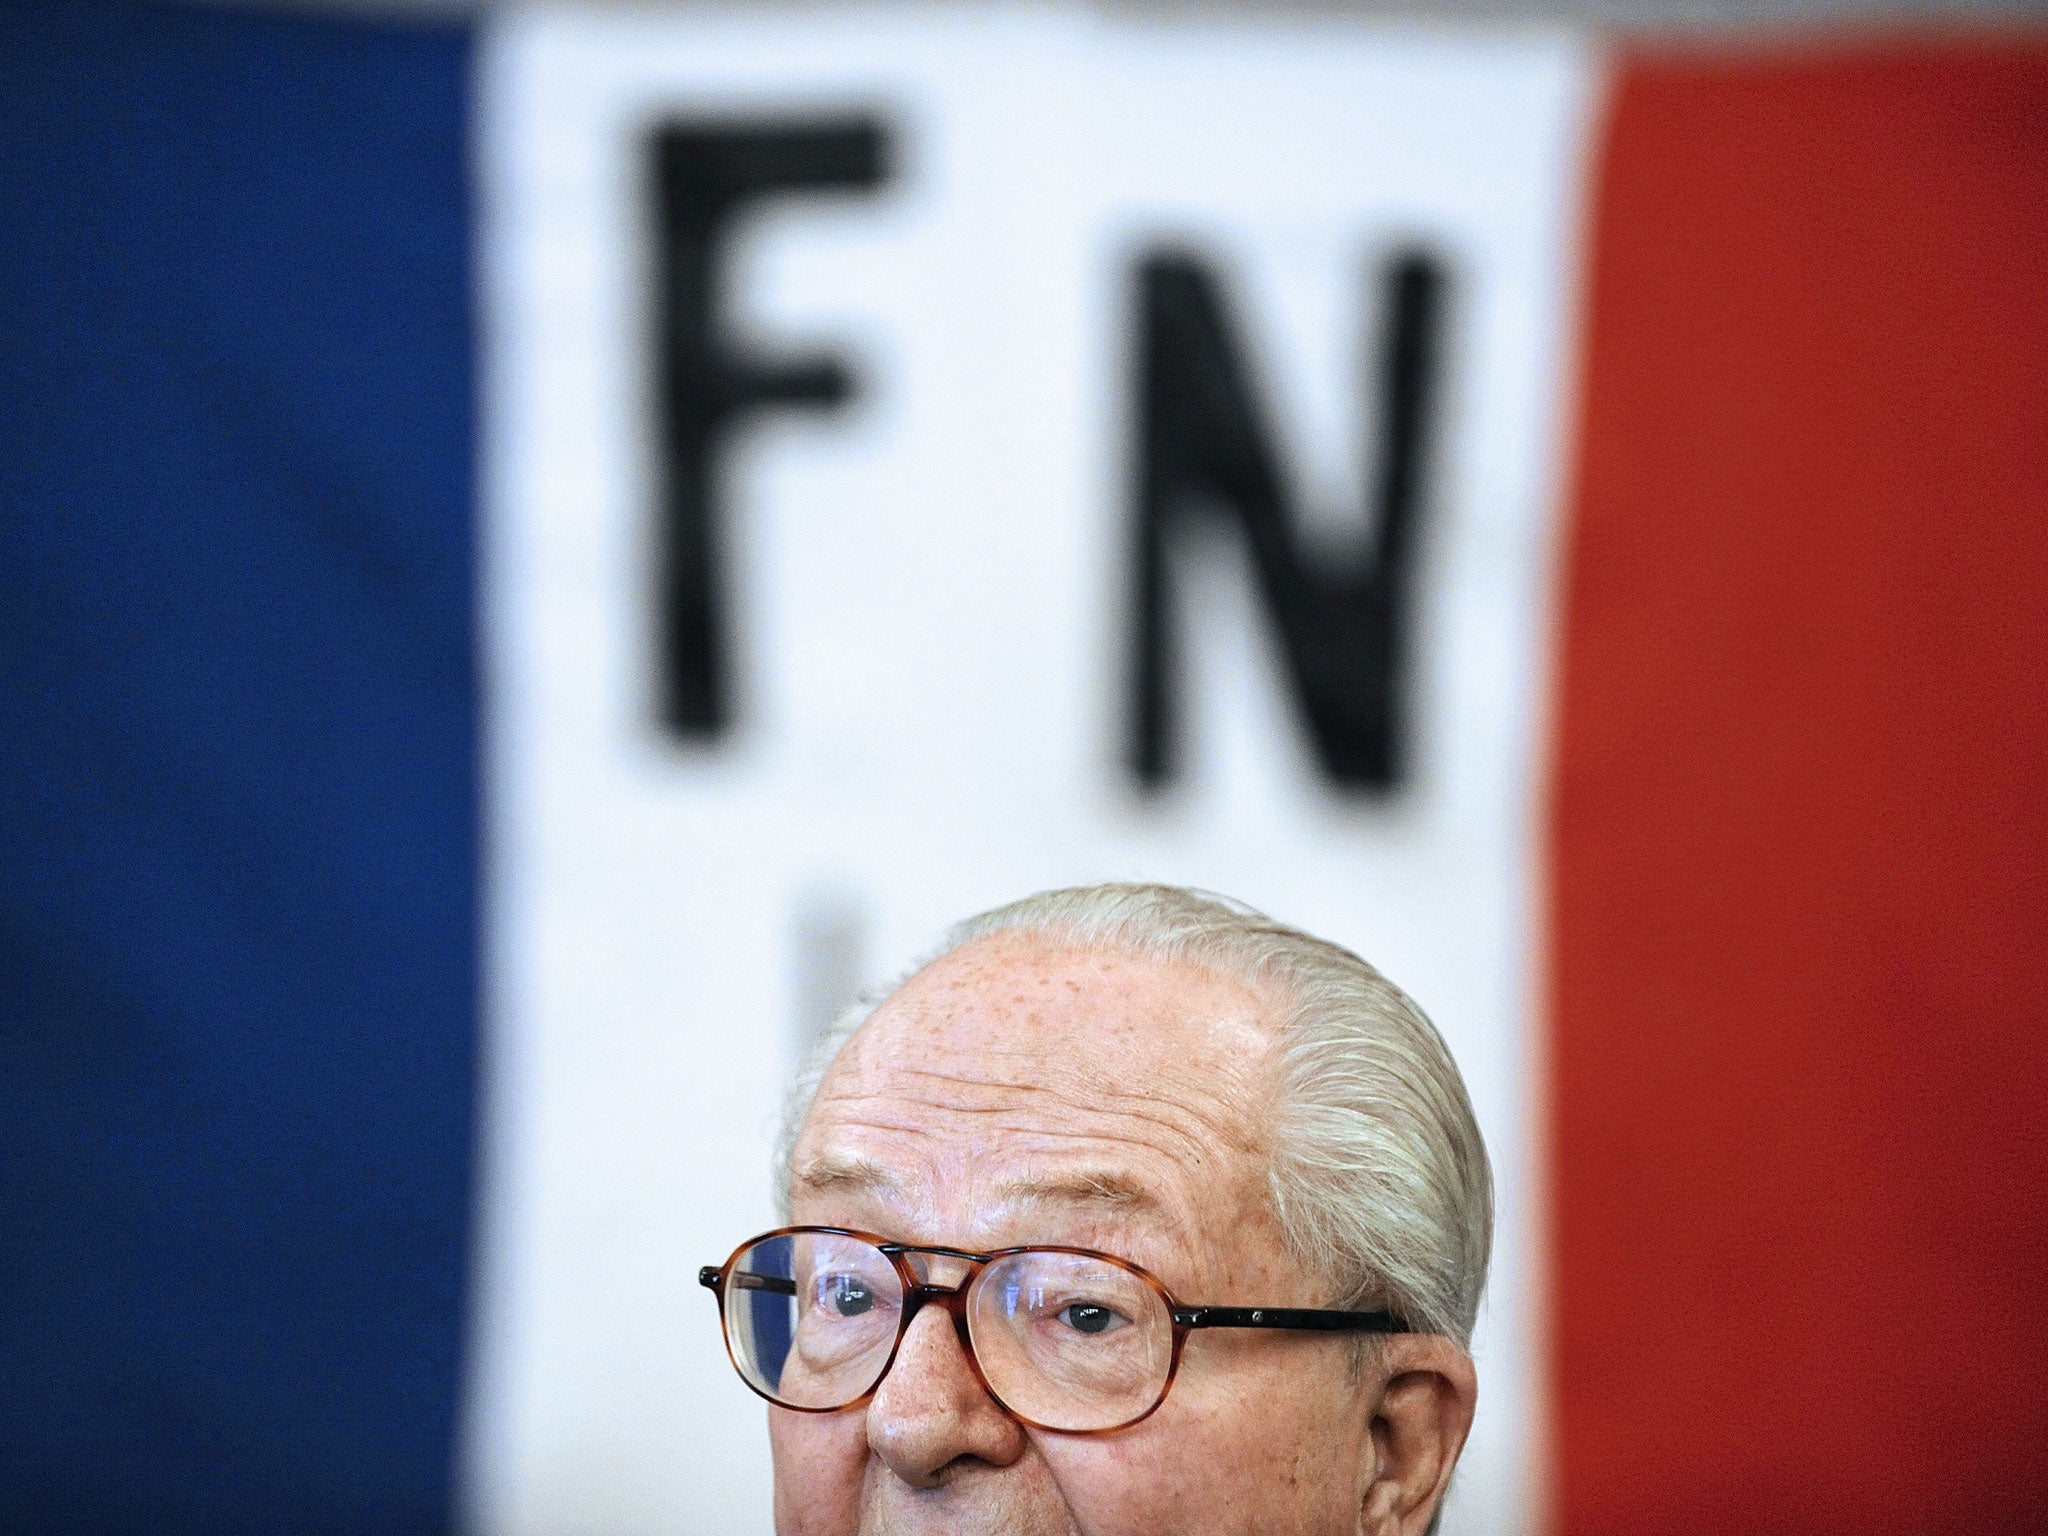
(1018, 1010)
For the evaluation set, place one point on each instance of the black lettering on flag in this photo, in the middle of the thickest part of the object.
(705, 177)
(1205, 445)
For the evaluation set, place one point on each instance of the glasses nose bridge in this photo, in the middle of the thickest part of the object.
(941, 1277)
(937, 1271)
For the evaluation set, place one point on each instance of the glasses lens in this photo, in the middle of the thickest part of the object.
(811, 1317)
(1069, 1341)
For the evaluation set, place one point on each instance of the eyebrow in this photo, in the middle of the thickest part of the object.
(850, 1175)
(1084, 1187)
(1098, 1187)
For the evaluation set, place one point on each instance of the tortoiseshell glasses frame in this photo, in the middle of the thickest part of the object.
(918, 1291)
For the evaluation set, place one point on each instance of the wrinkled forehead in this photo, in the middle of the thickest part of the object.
(1016, 1056)
(1024, 1008)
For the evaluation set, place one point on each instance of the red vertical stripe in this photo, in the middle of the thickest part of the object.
(1800, 872)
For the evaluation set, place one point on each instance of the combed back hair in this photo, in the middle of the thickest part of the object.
(1379, 1176)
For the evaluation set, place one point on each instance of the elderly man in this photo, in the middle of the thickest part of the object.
(1132, 1213)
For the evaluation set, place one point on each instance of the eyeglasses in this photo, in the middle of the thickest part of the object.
(1063, 1338)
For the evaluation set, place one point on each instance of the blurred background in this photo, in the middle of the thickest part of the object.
(545, 548)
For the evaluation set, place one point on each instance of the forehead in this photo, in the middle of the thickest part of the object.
(1020, 1085)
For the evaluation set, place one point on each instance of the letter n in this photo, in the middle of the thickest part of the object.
(1204, 444)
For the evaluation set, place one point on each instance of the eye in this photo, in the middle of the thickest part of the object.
(846, 1295)
(1090, 1317)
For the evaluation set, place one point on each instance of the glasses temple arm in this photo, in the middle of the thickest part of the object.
(711, 1277)
(1313, 1320)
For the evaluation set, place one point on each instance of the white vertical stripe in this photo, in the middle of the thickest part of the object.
(930, 593)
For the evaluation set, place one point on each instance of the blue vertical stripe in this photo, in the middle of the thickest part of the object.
(238, 804)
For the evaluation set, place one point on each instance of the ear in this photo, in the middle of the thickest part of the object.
(1421, 1390)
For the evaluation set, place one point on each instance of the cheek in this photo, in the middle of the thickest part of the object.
(1190, 1484)
(820, 1460)
(1244, 1450)
(1127, 1485)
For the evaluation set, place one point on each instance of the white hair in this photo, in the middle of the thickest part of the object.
(1379, 1177)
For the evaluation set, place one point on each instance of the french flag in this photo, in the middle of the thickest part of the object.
(542, 550)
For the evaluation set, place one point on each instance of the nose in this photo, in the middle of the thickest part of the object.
(931, 1411)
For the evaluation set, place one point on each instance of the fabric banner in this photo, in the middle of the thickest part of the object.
(547, 554)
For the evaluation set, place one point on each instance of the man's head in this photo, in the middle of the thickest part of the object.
(1254, 1117)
